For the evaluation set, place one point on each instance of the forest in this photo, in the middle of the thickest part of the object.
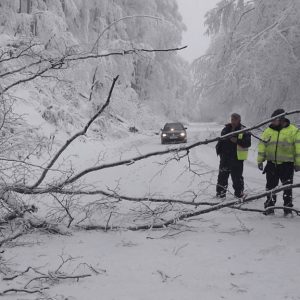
(95, 205)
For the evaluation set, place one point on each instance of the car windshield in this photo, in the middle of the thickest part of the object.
(174, 126)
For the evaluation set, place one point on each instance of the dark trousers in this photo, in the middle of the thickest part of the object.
(234, 168)
(275, 173)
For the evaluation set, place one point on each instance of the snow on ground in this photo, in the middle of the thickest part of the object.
(223, 255)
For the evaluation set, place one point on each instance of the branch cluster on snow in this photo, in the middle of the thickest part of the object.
(45, 279)
(27, 61)
(66, 187)
(69, 184)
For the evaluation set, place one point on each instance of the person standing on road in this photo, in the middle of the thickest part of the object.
(280, 147)
(233, 152)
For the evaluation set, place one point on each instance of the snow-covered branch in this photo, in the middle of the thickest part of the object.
(168, 151)
(77, 135)
(235, 204)
(121, 53)
(127, 162)
(38, 65)
(107, 28)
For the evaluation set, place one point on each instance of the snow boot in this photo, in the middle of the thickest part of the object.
(268, 207)
(286, 211)
(221, 195)
(240, 195)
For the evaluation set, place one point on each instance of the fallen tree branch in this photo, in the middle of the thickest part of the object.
(93, 85)
(21, 274)
(297, 212)
(74, 137)
(51, 277)
(24, 291)
(12, 237)
(128, 198)
(168, 151)
(66, 209)
(54, 276)
(185, 216)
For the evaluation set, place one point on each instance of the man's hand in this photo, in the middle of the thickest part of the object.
(261, 166)
(233, 140)
(297, 169)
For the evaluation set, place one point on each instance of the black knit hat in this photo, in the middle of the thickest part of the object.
(236, 116)
(278, 112)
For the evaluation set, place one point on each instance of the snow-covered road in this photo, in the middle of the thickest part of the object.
(154, 176)
(223, 255)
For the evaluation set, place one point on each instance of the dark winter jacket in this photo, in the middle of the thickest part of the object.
(226, 149)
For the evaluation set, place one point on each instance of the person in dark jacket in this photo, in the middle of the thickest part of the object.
(233, 152)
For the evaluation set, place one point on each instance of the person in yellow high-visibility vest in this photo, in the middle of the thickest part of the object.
(280, 147)
(233, 152)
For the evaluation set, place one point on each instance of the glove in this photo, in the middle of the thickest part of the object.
(260, 166)
(297, 169)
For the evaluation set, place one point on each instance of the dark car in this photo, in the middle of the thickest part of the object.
(173, 133)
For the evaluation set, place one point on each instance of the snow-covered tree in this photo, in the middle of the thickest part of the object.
(153, 80)
(253, 62)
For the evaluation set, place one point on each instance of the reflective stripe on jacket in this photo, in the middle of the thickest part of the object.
(242, 153)
(280, 146)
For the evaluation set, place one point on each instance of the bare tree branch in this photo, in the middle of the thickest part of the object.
(52, 276)
(120, 53)
(120, 20)
(46, 64)
(58, 187)
(36, 291)
(74, 137)
(12, 237)
(185, 216)
(93, 84)
(174, 150)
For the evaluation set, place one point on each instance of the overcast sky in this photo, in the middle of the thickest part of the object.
(193, 12)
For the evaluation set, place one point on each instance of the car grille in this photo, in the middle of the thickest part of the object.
(174, 135)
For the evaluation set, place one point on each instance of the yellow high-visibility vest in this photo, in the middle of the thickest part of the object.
(280, 146)
(242, 153)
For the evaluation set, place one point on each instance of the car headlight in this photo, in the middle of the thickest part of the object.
(182, 134)
(164, 135)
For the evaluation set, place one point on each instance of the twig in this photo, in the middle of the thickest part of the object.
(66, 208)
(12, 237)
(24, 291)
(54, 276)
(93, 85)
(106, 226)
(21, 274)
(120, 20)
